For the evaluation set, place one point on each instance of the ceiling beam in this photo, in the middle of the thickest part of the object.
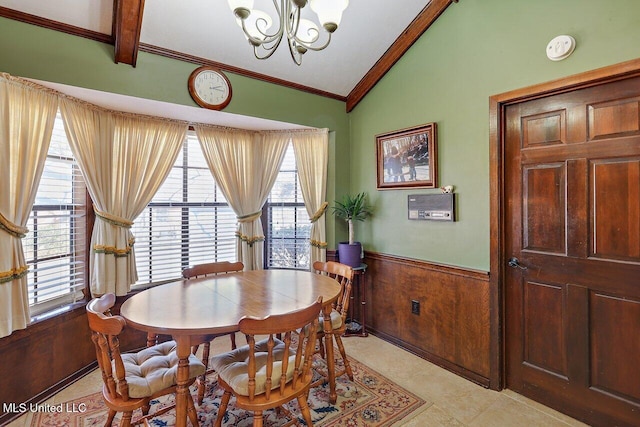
(416, 28)
(127, 25)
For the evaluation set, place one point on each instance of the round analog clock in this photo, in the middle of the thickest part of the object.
(210, 88)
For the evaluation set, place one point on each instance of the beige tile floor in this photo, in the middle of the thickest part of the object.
(454, 401)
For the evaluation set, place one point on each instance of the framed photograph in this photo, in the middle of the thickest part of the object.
(407, 158)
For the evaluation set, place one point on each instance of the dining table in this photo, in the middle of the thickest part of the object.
(191, 309)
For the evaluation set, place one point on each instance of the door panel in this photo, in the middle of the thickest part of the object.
(616, 212)
(543, 328)
(613, 354)
(544, 207)
(615, 118)
(544, 129)
(572, 197)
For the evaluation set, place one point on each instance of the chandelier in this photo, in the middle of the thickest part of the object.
(302, 34)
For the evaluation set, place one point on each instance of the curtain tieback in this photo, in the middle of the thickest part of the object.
(318, 243)
(13, 274)
(316, 216)
(13, 229)
(249, 240)
(250, 217)
(113, 219)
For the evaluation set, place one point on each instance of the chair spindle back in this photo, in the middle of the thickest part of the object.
(344, 275)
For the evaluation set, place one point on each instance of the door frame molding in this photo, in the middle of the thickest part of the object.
(497, 106)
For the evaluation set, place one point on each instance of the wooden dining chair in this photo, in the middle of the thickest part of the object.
(271, 372)
(201, 270)
(344, 275)
(132, 380)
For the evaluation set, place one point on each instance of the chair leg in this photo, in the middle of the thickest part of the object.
(321, 347)
(202, 386)
(205, 355)
(224, 402)
(257, 419)
(304, 408)
(126, 419)
(191, 411)
(343, 353)
(110, 417)
(233, 341)
(202, 379)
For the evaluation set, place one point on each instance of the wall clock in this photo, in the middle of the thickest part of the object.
(210, 88)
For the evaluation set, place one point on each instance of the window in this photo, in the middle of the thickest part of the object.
(55, 247)
(287, 226)
(188, 221)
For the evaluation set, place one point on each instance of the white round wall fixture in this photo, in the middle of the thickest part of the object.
(560, 47)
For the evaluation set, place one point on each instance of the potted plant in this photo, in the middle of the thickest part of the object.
(351, 208)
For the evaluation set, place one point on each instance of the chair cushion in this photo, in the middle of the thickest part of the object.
(233, 367)
(336, 321)
(155, 368)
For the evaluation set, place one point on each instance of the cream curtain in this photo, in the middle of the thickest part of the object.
(27, 114)
(124, 159)
(312, 155)
(245, 166)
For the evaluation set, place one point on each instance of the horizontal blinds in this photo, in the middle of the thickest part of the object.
(187, 222)
(55, 247)
(288, 228)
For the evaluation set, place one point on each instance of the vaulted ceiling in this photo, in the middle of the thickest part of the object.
(372, 36)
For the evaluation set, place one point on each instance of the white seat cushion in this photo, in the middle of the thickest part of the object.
(155, 368)
(233, 367)
(336, 321)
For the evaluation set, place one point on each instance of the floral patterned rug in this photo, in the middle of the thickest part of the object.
(370, 400)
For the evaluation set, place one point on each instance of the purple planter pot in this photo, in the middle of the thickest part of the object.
(350, 254)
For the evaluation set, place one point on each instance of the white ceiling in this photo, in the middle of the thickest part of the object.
(207, 29)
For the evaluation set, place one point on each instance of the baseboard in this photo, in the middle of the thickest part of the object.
(430, 357)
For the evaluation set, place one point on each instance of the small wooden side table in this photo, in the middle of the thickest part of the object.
(358, 293)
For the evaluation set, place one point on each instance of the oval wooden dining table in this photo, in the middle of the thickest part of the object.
(190, 309)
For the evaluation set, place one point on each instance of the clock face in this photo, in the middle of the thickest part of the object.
(210, 88)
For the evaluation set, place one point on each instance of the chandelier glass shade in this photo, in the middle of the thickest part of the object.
(302, 34)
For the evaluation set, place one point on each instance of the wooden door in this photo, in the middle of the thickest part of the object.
(572, 219)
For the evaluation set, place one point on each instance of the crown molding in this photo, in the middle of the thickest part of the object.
(55, 25)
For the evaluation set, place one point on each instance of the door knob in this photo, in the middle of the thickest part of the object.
(515, 263)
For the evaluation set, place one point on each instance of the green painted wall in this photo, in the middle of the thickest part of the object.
(476, 49)
(34, 52)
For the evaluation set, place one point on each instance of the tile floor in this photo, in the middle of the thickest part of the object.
(456, 401)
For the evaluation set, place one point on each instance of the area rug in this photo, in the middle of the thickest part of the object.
(370, 400)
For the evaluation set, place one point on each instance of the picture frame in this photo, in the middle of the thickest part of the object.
(407, 158)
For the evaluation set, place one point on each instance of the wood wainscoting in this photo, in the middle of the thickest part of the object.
(452, 328)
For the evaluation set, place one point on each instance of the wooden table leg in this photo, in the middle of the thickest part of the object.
(183, 352)
(328, 348)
